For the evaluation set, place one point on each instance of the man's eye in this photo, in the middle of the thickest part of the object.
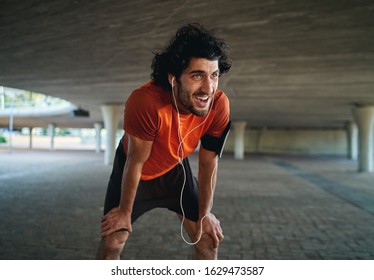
(216, 74)
(197, 76)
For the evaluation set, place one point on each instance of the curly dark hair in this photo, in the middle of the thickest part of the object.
(190, 41)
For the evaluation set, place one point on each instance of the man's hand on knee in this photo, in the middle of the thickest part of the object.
(210, 226)
(115, 221)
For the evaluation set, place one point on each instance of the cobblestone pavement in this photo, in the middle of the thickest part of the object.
(270, 207)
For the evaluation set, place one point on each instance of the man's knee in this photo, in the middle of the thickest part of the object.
(205, 248)
(116, 240)
(112, 245)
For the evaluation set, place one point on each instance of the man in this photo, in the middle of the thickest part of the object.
(164, 121)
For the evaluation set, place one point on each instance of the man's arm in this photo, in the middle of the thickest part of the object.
(207, 177)
(120, 217)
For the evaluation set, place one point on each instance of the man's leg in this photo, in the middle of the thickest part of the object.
(204, 249)
(111, 246)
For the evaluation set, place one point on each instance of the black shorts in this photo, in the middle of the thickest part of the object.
(161, 192)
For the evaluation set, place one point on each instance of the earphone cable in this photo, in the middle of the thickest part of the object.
(180, 155)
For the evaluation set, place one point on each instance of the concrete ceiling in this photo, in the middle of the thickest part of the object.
(296, 63)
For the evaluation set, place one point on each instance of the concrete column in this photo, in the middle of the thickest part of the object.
(30, 137)
(98, 127)
(239, 133)
(112, 114)
(260, 135)
(352, 144)
(51, 133)
(365, 121)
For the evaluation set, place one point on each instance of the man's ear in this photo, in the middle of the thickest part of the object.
(171, 79)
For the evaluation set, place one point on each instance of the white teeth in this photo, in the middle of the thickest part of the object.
(203, 98)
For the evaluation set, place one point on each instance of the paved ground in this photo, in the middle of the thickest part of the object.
(271, 207)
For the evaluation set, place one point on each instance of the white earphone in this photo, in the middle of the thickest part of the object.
(180, 154)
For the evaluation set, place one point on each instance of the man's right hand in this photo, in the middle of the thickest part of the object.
(115, 220)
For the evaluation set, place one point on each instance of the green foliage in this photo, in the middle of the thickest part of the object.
(2, 139)
(63, 132)
(19, 98)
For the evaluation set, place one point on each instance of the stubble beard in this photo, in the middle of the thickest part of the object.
(186, 100)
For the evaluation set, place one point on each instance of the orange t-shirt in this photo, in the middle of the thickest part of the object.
(150, 115)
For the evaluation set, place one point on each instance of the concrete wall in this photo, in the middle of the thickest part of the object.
(293, 141)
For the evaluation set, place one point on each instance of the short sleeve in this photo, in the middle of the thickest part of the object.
(140, 118)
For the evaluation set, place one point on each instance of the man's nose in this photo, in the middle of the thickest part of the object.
(207, 86)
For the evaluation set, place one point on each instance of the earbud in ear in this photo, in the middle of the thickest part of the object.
(172, 81)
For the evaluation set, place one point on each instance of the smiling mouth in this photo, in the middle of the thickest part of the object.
(202, 101)
(202, 98)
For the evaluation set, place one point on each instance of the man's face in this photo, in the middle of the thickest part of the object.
(196, 86)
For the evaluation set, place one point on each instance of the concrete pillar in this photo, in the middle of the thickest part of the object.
(364, 117)
(30, 137)
(98, 127)
(260, 135)
(352, 144)
(112, 114)
(51, 133)
(239, 133)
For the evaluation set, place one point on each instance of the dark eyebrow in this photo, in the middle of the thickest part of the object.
(201, 72)
(196, 72)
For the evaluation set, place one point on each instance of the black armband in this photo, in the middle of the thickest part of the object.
(216, 144)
